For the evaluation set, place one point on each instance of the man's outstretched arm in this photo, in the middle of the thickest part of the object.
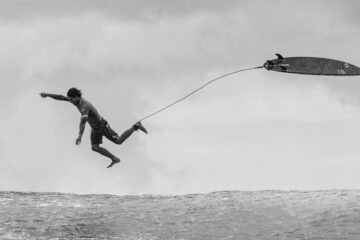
(54, 96)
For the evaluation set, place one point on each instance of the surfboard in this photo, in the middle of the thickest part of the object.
(311, 66)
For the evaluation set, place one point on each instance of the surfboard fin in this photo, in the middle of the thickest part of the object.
(279, 56)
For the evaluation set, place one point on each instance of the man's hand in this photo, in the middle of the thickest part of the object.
(43, 95)
(78, 140)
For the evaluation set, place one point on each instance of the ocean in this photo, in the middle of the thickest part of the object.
(272, 215)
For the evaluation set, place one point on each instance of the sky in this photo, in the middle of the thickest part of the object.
(256, 130)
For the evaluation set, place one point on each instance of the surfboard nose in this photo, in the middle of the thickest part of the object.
(349, 69)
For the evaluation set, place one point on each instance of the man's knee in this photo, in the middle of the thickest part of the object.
(95, 147)
(119, 140)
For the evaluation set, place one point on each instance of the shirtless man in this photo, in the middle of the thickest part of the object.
(99, 126)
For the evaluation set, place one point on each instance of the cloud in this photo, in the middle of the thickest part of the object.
(125, 9)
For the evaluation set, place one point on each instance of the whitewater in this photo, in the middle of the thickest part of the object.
(273, 215)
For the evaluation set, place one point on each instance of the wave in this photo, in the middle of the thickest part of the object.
(217, 215)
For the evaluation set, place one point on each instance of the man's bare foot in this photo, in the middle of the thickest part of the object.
(113, 162)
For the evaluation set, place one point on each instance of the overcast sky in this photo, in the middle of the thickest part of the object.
(252, 131)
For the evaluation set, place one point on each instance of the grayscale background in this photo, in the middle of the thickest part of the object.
(256, 130)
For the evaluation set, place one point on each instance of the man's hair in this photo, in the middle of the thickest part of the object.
(74, 92)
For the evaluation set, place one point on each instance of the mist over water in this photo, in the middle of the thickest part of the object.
(218, 215)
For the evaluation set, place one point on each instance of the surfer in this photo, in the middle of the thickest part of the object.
(99, 126)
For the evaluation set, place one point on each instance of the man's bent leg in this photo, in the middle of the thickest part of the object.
(124, 136)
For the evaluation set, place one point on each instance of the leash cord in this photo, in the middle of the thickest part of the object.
(198, 89)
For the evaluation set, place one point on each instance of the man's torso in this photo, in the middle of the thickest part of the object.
(87, 109)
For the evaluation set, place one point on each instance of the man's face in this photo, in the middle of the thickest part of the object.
(74, 100)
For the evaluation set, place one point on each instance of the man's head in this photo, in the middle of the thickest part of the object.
(74, 95)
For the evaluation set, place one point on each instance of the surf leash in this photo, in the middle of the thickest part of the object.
(297, 65)
(198, 89)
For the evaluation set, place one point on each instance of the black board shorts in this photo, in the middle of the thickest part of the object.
(103, 129)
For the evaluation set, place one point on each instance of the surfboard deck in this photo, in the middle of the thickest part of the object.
(312, 66)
